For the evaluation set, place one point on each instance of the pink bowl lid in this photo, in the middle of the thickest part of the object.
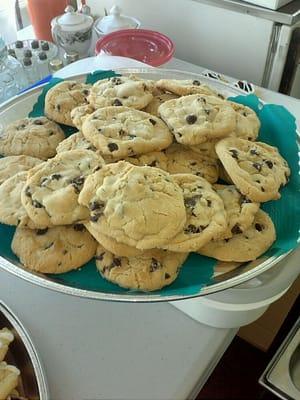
(152, 48)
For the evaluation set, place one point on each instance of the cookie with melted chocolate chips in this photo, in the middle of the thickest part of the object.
(124, 132)
(196, 119)
(50, 195)
(239, 209)
(257, 169)
(148, 271)
(139, 206)
(35, 137)
(244, 246)
(54, 250)
(206, 216)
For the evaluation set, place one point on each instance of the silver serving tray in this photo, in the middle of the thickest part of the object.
(24, 356)
(282, 375)
(226, 275)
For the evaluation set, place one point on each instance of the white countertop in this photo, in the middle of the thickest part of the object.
(100, 350)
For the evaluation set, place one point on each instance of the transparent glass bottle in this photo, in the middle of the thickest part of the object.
(30, 71)
(12, 78)
(19, 48)
(35, 47)
(43, 65)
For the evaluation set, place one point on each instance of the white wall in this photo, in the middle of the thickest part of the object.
(8, 27)
(222, 40)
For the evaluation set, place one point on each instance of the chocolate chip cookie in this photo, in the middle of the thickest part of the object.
(156, 159)
(12, 211)
(11, 165)
(50, 195)
(76, 141)
(152, 270)
(110, 244)
(206, 149)
(78, 114)
(152, 107)
(121, 91)
(62, 98)
(139, 206)
(246, 246)
(257, 169)
(182, 159)
(247, 122)
(123, 132)
(35, 137)
(197, 119)
(54, 250)
(205, 214)
(240, 210)
(184, 87)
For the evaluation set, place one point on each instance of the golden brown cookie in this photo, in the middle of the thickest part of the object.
(246, 246)
(151, 270)
(139, 206)
(196, 119)
(54, 250)
(257, 169)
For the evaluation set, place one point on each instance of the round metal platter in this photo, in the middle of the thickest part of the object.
(225, 275)
(23, 355)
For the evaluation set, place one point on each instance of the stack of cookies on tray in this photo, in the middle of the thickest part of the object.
(136, 186)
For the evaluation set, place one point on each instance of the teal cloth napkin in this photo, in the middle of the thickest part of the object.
(278, 128)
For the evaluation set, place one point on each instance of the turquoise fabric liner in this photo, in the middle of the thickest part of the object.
(278, 128)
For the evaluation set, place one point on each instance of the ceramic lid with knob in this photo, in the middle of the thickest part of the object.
(72, 20)
(115, 21)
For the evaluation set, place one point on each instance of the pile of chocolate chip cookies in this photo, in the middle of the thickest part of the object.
(136, 186)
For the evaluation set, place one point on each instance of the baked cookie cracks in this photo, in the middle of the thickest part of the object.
(151, 270)
(142, 207)
(54, 250)
(35, 137)
(257, 169)
(121, 91)
(50, 195)
(62, 98)
(123, 132)
(197, 119)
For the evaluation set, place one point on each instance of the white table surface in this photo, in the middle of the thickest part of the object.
(100, 350)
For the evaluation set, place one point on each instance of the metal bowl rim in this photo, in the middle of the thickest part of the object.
(31, 350)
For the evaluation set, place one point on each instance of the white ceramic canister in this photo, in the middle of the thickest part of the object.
(73, 31)
(115, 21)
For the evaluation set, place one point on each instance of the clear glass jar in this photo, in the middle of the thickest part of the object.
(12, 78)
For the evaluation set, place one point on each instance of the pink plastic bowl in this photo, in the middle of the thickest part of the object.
(152, 48)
